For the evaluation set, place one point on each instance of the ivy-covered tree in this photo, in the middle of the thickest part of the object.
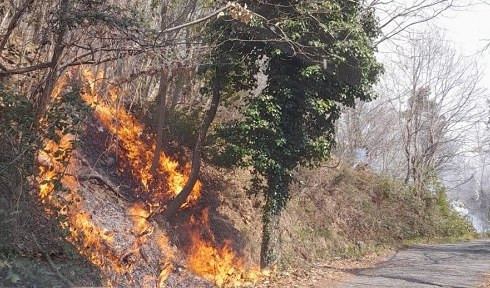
(318, 56)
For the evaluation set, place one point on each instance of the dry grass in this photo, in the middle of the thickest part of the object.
(334, 219)
(340, 212)
(22, 263)
(236, 206)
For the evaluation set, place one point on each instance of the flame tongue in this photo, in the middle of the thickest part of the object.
(100, 232)
(91, 240)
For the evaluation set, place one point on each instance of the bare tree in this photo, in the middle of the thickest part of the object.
(441, 102)
(430, 97)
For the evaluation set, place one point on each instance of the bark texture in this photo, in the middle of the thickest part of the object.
(162, 115)
(271, 238)
(271, 233)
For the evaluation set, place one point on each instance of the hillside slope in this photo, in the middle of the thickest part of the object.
(342, 212)
(334, 214)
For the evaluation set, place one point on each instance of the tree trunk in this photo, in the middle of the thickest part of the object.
(162, 102)
(52, 76)
(180, 199)
(271, 233)
(271, 240)
(161, 99)
(179, 83)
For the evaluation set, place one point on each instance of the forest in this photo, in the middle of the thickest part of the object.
(198, 143)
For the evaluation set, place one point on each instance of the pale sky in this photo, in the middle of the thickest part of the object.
(469, 29)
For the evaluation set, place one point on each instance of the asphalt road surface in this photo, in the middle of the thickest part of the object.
(448, 265)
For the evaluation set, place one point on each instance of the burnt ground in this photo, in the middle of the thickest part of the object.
(99, 148)
(16, 271)
(104, 156)
(221, 227)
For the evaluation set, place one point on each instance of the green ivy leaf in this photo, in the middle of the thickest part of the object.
(13, 277)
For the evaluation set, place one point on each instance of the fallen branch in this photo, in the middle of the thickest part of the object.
(96, 176)
(51, 263)
(103, 181)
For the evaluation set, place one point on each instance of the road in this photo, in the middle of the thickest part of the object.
(448, 265)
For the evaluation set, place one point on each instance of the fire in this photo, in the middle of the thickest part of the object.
(139, 151)
(140, 216)
(58, 164)
(141, 228)
(91, 241)
(83, 232)
(218, 264)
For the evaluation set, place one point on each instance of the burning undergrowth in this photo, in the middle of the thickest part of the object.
(105, 196)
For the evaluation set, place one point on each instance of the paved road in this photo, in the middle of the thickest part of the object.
(449, 265)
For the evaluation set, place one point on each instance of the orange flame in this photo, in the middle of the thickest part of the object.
(139, 152)
(141, 229)
(220, 265)
(89, 239)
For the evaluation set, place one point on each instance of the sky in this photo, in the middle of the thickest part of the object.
(469, 29)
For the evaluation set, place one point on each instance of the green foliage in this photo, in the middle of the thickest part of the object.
(23, 134)
(182, 127)
(450, 223)
(19, 138)
(292, 121)
(85, 13)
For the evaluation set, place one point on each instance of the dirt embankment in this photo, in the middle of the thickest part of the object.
(340, 213)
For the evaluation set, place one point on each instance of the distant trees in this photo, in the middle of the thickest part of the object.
(442, 103)
(432, 96)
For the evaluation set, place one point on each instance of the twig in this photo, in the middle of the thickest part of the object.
(332, 167)
(53, 267)
(197, 21)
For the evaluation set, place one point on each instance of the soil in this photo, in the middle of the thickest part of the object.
(36, 272)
